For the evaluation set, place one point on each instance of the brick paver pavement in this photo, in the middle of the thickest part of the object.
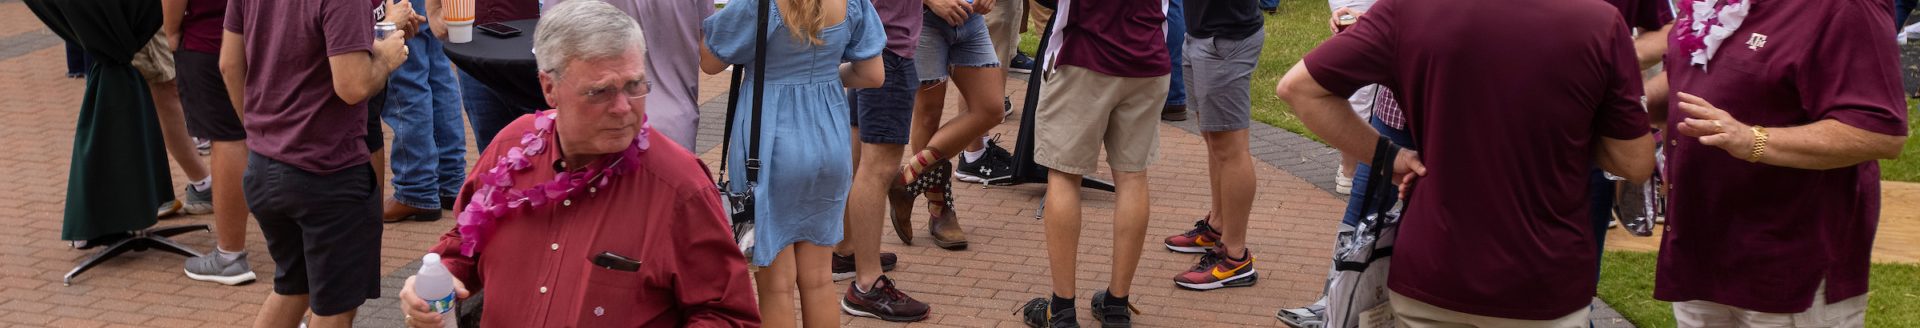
(980, 287)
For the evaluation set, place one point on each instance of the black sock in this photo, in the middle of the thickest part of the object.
(1060, 304)
(1111, 301)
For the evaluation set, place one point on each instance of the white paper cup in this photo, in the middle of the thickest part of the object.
(460, 31)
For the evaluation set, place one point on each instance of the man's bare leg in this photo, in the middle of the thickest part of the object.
(342, 320)
(229, 200)
(173, 129)
(846, 248)
(1129, 228)
(1062, 216)
(1233, 190)
(281, 311)
(866, 205)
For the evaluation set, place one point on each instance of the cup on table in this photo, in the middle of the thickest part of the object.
(459, 16)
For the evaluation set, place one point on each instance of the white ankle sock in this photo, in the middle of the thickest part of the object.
(228, 256)
(203, 184)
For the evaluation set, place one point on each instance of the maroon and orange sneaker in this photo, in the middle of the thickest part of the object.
(1199, 240)
(1217, 270)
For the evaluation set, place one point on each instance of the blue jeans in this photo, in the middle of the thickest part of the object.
(1269, 4)
(1901, 9)
(429, 144)
(1360, 176)
(1176, 38)
(1600, 192)
(486, 111)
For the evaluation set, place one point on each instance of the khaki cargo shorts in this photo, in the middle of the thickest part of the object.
(155, 61)
(1081, 110)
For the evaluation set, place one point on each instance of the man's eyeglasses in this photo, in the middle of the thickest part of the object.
(633, 90)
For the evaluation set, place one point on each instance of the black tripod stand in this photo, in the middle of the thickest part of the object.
(140, 241)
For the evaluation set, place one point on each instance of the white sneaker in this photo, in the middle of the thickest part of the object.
(1342, 184)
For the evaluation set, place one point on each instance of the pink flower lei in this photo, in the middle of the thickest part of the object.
(1705, 24)
(495, 196)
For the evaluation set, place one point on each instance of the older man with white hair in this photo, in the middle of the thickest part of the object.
(584, 215)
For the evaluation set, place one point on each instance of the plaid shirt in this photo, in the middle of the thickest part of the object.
(1388, 110)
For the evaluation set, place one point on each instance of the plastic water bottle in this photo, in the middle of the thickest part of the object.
(435, 285)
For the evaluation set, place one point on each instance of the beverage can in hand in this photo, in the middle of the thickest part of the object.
(382, 29)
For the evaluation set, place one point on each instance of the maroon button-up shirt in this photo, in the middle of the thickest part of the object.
(1762, 237)
(537, 269)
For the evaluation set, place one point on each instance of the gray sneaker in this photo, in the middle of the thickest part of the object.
(210, 268)
(197, 202)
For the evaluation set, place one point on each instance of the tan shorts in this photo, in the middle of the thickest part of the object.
(1003, 27)
(155, 61)
(1848, 313)
(1413, 313)
(1081, 109)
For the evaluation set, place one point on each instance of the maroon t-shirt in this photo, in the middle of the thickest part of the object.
(1123, 38)
(1507, 103)
(292, 112)
(1762, 237)
(200, 27)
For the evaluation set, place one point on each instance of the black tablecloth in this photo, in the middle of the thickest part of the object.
(119, 168)
(505, 65)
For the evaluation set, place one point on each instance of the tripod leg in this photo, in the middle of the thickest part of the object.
(107, 254)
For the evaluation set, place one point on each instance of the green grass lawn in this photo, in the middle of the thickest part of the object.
(1626, 283)
(1907, 167)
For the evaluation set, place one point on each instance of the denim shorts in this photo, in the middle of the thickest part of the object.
(943, 45)
(885, 114)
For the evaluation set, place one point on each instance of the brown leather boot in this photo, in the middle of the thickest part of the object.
(944, 225)
(900, 209)
(395, 212)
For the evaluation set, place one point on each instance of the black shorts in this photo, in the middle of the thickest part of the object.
(885, 114)
(323, 231)
(203, 92)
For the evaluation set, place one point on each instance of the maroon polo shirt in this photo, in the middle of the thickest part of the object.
(292, 112)
(1506, 102)
(1762, 237)
(1122, 38)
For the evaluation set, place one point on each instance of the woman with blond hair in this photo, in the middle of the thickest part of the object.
(815, 49)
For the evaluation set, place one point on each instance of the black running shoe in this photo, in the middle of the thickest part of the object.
(1020, 64)
(993, 168)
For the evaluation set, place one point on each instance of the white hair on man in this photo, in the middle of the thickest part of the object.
(582, 30)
